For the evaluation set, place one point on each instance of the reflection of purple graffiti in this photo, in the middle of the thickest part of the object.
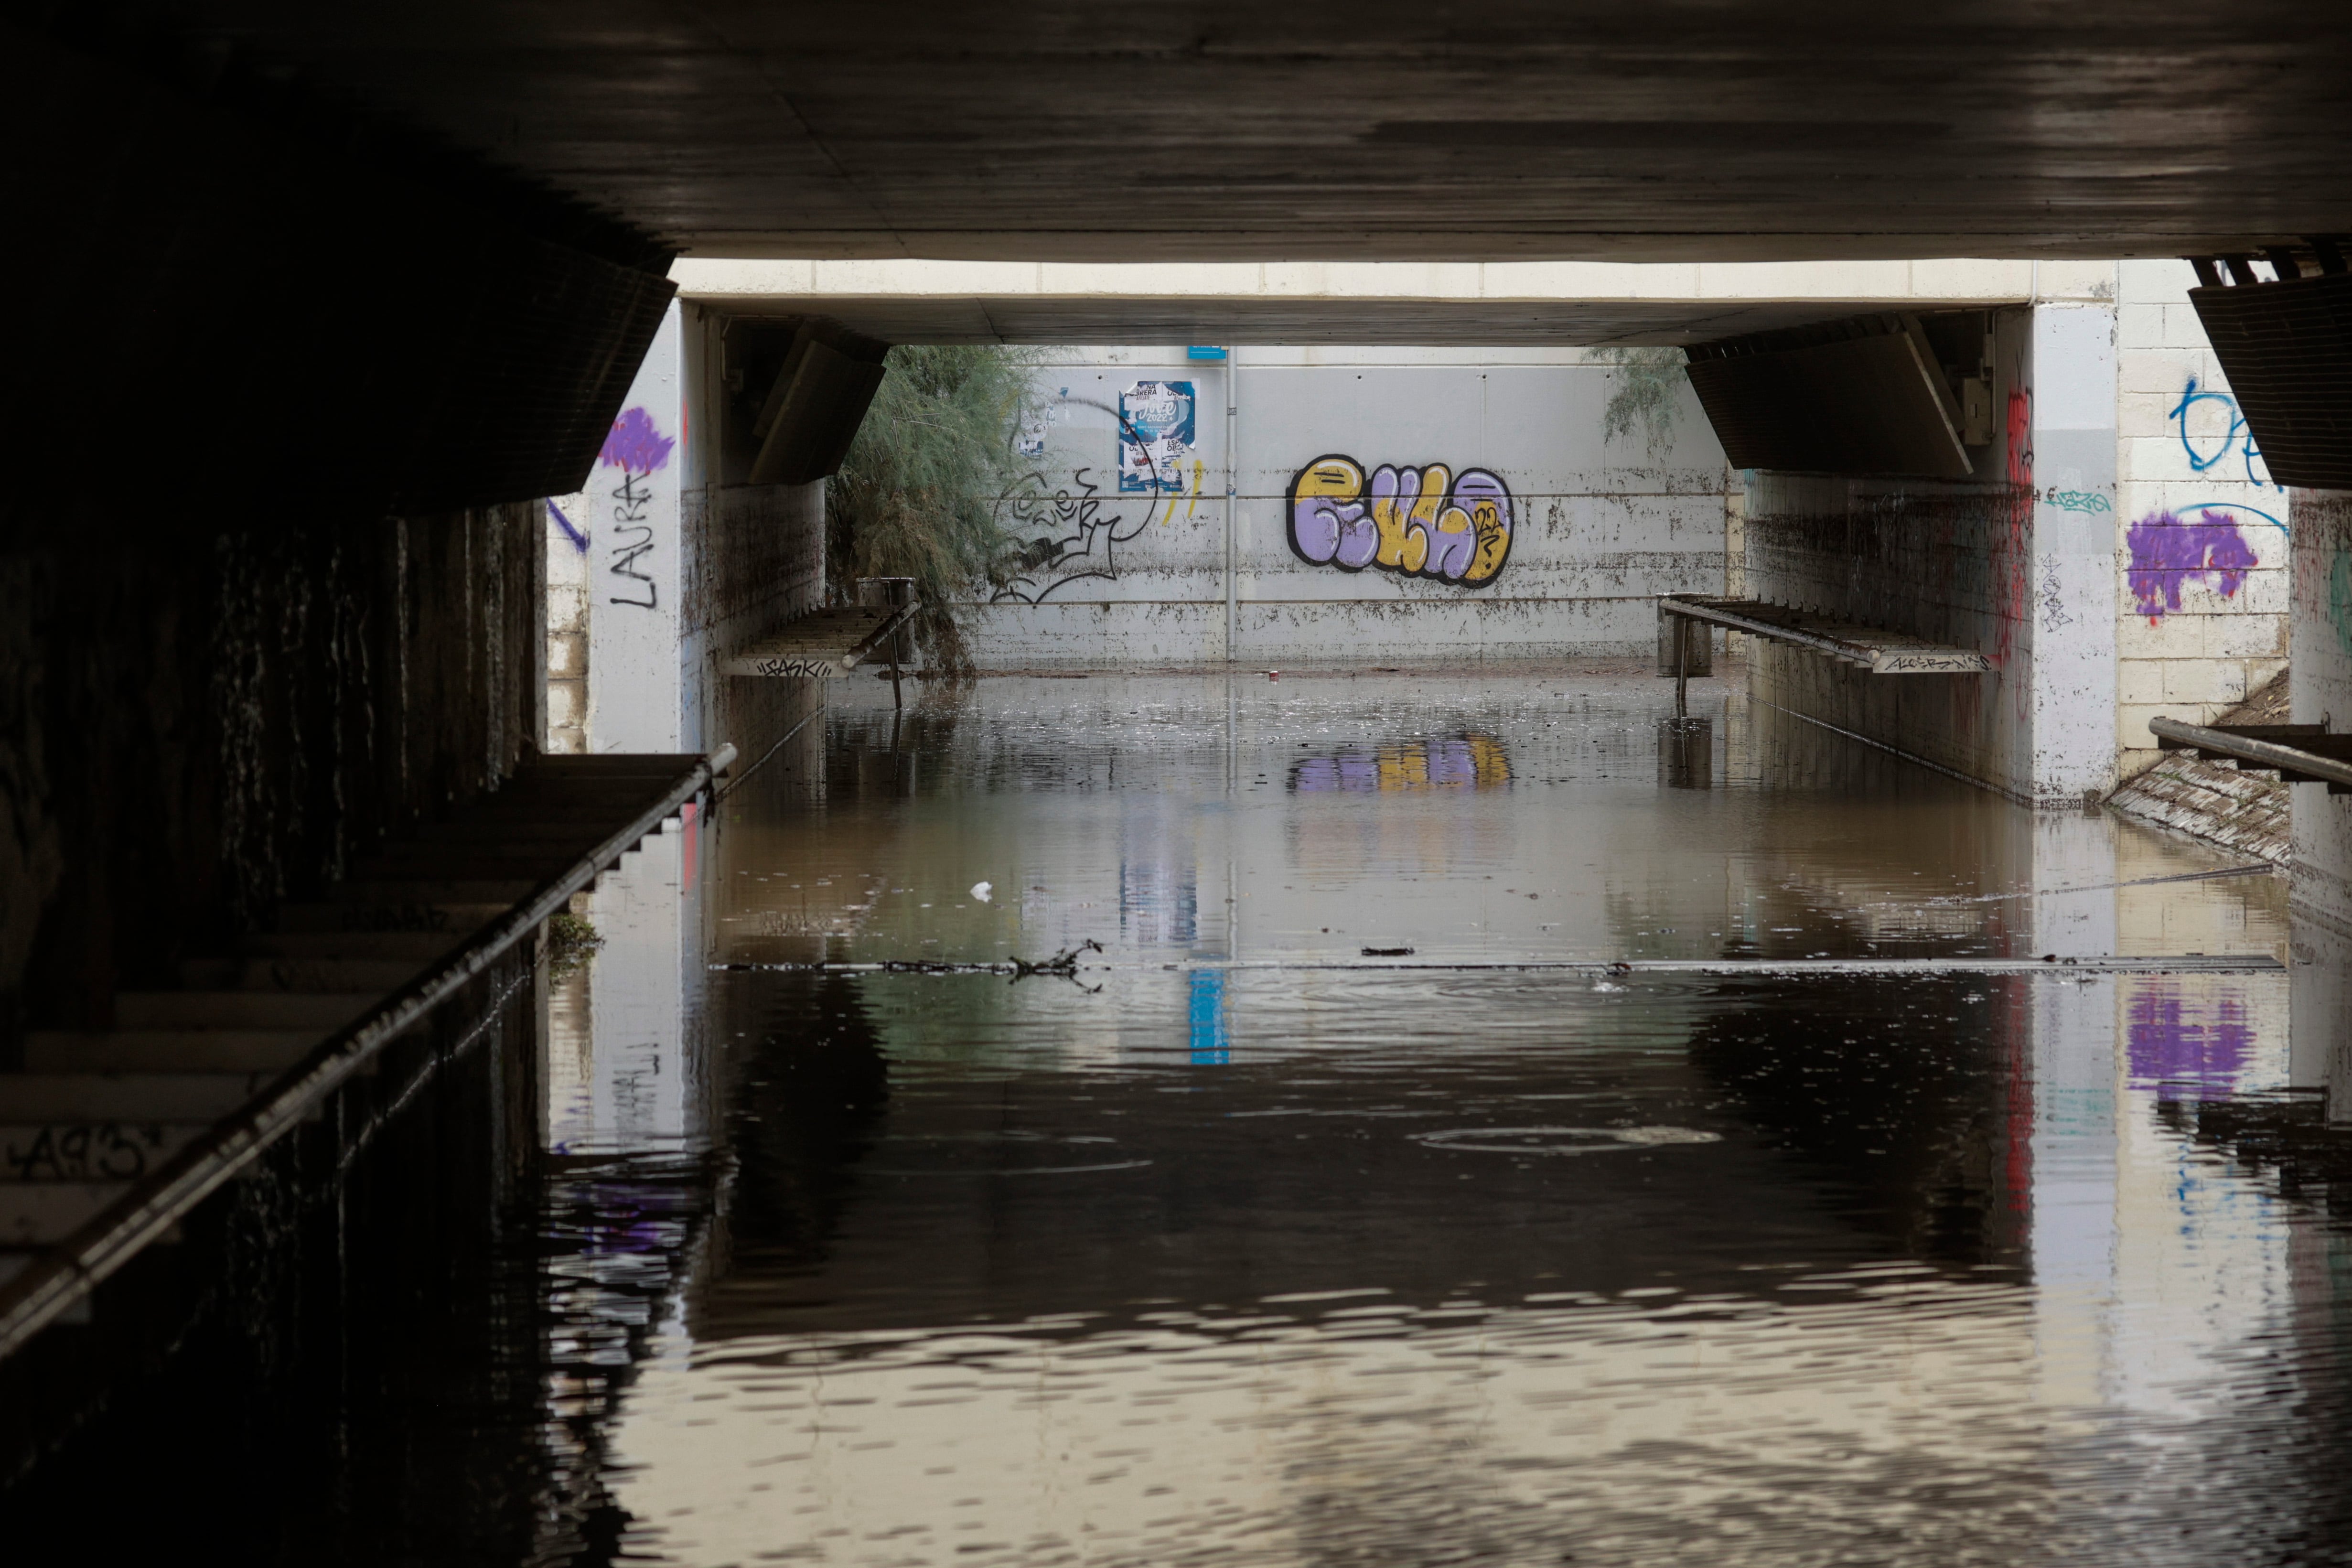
(2165, 551)
(1440, 762)
(2169, 1045)
(1417, 522)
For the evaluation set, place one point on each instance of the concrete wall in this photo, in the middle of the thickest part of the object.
(680, 569)
(1127, 573)
(194, 728)
(2203, 564)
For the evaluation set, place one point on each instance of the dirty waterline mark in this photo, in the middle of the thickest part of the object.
(2176, 963)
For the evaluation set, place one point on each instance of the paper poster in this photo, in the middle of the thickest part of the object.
(1155, 436)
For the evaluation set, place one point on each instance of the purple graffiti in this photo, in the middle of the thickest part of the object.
(637, 444)
(1423, 521)
(2165, 551)
(2170, 1045)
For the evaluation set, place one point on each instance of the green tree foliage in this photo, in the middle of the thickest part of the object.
(1645, 391)
(917, 495)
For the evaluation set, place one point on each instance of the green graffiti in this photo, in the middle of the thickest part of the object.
(2339, 597)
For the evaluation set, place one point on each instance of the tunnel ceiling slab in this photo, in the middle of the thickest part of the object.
(1378, 130)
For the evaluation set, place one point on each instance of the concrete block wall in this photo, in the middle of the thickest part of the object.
(2202, 565)
(567, 627)
(1137, 576)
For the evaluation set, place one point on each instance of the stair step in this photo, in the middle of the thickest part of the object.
(374, 975)
(89, 1151)
(382, 891)
(200, 1097)
(523, 831)
(319, 1010)
(411, 947)
(456, 863)
(42, 1213)
(168, 1050)
(410, 911)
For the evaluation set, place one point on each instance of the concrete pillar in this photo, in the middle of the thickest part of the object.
(2072, 579)
(2319, 690)
(636, 695)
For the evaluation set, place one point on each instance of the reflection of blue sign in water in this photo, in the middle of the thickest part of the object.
(1211, 1043)
(1155, 435)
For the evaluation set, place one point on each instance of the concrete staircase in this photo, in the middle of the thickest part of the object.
(92, 1112)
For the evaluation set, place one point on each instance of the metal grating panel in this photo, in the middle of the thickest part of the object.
(2287, 348)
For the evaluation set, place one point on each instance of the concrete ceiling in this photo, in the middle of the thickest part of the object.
(1703, 129)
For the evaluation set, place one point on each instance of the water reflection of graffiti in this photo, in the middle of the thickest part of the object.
(1425, 521)
(1437, 762)
(2166, 551)
(1068, 529)
(2207, 450)
(2175, 1041)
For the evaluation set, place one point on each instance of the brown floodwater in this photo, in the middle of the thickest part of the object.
(1836, 1226)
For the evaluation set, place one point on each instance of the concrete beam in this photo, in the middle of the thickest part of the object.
(1468, 303)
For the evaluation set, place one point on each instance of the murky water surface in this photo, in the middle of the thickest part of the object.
(1241, 1246)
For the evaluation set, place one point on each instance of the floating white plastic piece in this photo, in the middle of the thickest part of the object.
(983, 892)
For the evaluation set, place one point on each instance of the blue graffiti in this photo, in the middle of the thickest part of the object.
(2231, 506)
(2238, 438)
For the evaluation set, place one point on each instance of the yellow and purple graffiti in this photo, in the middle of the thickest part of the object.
(1425, 521)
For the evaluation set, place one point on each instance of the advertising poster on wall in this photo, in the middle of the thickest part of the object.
(1155, 436)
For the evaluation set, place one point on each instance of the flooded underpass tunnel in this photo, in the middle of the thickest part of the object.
(911, 784)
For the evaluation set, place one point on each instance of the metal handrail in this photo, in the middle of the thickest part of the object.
(1884, 656)
(1732, 621)
(58, 1278)
(2310, 766)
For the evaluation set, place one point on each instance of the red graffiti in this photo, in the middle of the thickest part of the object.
(2012, 569)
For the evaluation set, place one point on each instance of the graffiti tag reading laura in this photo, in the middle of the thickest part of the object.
(637, 448)
(1423, 521)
